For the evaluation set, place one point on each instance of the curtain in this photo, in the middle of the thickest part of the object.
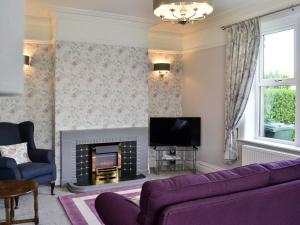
(243, 41)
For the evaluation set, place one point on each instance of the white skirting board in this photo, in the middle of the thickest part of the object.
(205, 167)
(253, 154)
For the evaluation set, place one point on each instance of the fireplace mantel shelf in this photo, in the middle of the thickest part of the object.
(102, 129)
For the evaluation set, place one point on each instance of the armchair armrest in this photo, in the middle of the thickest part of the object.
(9, 169)
(107, 204)
(7, 163)
(41, 155)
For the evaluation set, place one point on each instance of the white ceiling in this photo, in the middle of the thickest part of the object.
(230, 9)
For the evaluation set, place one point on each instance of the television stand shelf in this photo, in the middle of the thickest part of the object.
(175, 160)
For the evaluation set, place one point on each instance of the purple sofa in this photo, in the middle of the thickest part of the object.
(258, 194)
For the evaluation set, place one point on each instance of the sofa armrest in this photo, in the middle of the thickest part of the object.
(107, 204)
(7, 163)
(41, 155)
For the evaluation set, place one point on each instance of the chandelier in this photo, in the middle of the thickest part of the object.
(182, 11)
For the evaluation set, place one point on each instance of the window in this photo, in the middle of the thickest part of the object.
(277, 86)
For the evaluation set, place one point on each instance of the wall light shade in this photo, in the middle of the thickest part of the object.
(26, 60)
(162, 68)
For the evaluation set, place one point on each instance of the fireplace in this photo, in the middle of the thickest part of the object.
(106, 163)
(77, 149)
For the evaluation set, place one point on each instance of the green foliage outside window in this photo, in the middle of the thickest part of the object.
(279, 102)
(280, 105)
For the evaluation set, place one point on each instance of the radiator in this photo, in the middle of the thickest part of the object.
(252, 154)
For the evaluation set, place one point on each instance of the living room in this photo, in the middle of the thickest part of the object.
(172, 104)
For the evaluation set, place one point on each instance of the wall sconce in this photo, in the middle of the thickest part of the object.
(26, 60)
(162, 68)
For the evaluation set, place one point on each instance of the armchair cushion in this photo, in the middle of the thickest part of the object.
(32, 170)
(7, 163)
(41, 155)
(17, 151)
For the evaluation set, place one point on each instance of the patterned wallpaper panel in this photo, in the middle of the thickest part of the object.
(37, 101)
(100, 86)
(165, 93)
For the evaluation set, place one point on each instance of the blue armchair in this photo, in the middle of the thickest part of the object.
(42, 169)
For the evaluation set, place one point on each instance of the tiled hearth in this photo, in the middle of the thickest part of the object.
(124, 150)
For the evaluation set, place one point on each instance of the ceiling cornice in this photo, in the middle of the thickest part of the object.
(158, 51)
(162, 33)
(105, 15)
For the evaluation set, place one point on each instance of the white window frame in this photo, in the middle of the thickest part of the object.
(274, 25)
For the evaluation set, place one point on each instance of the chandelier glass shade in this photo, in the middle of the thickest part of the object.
(182, 11)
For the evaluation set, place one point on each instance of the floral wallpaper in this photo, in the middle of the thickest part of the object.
(100, 86)
(165, 93)
(36, 103)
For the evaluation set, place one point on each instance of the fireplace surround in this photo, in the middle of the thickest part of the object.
(79, 148)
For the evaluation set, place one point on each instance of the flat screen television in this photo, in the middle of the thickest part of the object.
(179, 131)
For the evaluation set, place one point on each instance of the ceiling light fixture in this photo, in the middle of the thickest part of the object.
(182, 11)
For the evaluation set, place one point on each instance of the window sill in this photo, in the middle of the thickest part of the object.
(268, 144)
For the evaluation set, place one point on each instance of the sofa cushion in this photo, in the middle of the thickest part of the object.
(158, 194)
(283, 171)
(31, 170)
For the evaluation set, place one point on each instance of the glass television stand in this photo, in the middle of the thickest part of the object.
(175, 158)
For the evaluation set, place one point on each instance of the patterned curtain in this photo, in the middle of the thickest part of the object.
(242, 49)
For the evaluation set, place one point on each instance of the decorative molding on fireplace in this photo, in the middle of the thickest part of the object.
(70, 139)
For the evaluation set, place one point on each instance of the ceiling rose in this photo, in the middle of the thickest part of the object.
(182, 11)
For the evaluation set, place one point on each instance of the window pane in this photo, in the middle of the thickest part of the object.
(279, 110)
(279, 55)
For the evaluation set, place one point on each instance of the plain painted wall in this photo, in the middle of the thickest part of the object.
(11, 47)
(203, 95)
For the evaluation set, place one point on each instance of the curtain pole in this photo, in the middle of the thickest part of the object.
(264, 15)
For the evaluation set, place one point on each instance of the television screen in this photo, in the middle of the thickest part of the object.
(180, 131)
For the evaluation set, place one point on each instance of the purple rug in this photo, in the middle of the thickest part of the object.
(80, 207)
